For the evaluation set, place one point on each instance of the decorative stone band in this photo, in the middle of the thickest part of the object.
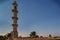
(15, 25)
(15, 18)
(15, 10)
(15, 31)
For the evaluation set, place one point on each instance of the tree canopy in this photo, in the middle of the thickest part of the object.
(33, 34)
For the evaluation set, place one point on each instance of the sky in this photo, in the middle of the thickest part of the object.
(42, 16)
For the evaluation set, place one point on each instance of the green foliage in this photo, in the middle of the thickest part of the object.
(8, 35)
(2, 37)
(33, 34)
(5, 37)
(41, 36)
(50, 35)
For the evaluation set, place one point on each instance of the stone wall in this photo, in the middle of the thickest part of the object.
(35, 39)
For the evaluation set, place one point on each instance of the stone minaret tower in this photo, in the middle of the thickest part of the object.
(14, 20)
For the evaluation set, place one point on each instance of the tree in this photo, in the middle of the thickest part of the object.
(9, 35)
(2, 37)
(41, 36)
(50, 35)
(33, 34)
(6, 36)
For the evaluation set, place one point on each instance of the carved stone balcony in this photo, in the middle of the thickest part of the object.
(15, 18)
(14, 25)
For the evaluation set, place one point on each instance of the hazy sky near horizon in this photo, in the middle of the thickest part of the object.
(42, 16)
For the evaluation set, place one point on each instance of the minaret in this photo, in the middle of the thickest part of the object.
(14, 20)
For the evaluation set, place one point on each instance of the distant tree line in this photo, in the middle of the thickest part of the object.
(33, 34)
(5, 37)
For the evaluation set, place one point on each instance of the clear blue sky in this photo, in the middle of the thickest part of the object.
(42, 16)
